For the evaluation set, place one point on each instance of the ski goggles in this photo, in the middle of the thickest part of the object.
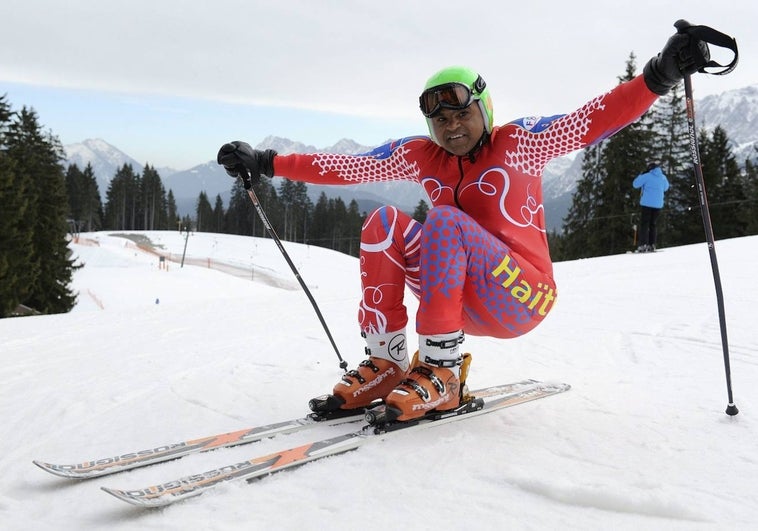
(453, 95)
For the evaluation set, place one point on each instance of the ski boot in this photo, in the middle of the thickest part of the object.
(386, 366)
(437, 382)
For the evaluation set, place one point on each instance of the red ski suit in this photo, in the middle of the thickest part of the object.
(481, 262)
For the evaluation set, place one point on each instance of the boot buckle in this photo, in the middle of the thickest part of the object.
(428, 373)
(447, 364)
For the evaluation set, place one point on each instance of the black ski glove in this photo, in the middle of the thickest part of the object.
(240, 160)
(683, 54)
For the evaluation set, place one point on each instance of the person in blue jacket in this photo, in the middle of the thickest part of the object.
(654, 185)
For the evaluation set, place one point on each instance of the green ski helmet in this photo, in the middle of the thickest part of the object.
(432, 100)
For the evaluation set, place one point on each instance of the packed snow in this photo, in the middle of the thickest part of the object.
(154, 355)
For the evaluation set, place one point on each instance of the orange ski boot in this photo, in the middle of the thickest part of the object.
(436, 381)
(386, 366)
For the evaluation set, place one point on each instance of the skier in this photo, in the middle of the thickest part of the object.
(654, 185)
(480, 263)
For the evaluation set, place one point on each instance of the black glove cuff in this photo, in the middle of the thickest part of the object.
(267, 163)
(656, 79)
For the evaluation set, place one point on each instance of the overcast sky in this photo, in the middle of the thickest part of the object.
(169, 81)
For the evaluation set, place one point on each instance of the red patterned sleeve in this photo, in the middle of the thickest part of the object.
(618, 108)
(391, 162)
(533, 145)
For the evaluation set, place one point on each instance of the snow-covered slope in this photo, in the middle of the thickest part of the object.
(151, 356)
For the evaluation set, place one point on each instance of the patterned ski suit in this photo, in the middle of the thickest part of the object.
(480, 262)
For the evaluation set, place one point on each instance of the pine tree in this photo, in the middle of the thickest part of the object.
(185, 224)
(580, 221)
(16, 268)
(92, 206)
(339, 226)
(75, 192)
(239, 215)
(320, 223)
(39, 155)
(422, 209)
(204, 213)
(353, 225)
(297, 207)
(724, 185)
(122, 200)
(172, 213)
(85, 208)
(218, 215)
(152, 200)
(270, 204)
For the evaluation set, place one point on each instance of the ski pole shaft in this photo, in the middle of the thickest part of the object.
(272, 233)
(731, 408)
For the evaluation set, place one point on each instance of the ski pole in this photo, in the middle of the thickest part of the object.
(272, 233)
(711, 36)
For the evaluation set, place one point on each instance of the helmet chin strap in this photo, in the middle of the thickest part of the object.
(485, 135)
(485, 116)
(482, 140)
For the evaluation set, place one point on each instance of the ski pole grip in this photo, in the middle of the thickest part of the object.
(714, 38)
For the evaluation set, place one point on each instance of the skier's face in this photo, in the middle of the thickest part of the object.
(458, 130)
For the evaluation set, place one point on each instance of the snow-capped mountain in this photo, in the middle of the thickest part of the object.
(286, 146)
(104, 158)
(735, 111)
(558, 183)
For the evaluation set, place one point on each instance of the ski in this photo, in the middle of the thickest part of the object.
(482, 402)
(167, 452)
